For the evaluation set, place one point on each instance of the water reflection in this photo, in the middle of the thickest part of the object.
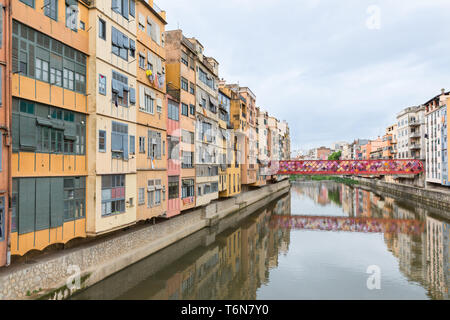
(314, 243)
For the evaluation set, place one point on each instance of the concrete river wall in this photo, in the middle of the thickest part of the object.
(425, 197)
(90, 263)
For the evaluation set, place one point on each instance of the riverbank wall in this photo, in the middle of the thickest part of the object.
(50, 277)
(434, 198)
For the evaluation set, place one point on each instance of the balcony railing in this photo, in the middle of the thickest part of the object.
(415, 146)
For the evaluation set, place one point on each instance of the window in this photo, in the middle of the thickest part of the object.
(72, 14)
(188, 160)
(174, 187)
(120, 44)
(101, 29)
(184, 58)
(141, 196)
(187, 136)
(119, 140)
(28, 2)
(154, 144)
(122, 7)
(102, 141)
(82, 25)
(148, 103)
(141, 144)
(38, 54)
(119, 89)
(205, 78)
(187, 188)
(173, 110)
(173, 144)
(141, 61)
(132, 145)
(132, 8)
(2, 218)
(41, 70)
(102, 84)
(60, 200)
(192, 88)
(42, 128)
(184, 84)
(192, 109)
(184, 109)
(113, 194)
(51, 9)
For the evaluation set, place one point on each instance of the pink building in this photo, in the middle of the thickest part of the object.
(173, 156)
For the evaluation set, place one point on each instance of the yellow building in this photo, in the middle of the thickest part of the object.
(49, 123)
(151, 137)
(231, 174)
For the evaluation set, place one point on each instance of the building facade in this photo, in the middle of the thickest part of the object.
(181, 83)
(436, 124)
(50, 123)
(5, 132)
(411, 133)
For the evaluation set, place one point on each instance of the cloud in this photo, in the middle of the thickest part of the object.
(316, 64)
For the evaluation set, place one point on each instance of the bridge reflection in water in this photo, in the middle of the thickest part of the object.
(256, 255)
(348, 224)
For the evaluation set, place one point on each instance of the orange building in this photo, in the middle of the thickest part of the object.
(5, 132)
(49, 123)
(181, 84)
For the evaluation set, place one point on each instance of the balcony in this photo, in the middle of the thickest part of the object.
(414, 123)
(415, 135)
(415, 146)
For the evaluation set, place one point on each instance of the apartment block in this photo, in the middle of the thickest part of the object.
(224, 139)
(232, 176)
(436, 124)
(181, 84)
(152, 113)
(411, 133)
(50, 122)
(262, 145)
(207, 145)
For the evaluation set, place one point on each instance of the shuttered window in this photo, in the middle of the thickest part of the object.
(141, 144)
(28, 2)
(120, 43)
(132, 145)
(36, 55)
(120, 89)
(41, 128)
(43, 203)
(72, 14)
(102, 84)
(174, 186)
(154, 144)
(173, 110)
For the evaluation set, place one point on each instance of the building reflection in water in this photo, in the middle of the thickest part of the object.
(424, 257)
(237, 261)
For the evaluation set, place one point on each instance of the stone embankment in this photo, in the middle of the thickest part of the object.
(50, 277)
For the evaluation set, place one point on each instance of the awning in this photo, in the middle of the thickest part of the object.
(44, 122)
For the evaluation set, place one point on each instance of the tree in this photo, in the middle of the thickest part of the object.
(335, 155)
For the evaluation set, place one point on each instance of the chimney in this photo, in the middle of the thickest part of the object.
(442, 90)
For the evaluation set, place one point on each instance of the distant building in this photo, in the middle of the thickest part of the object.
(436, 124)
(411, 133)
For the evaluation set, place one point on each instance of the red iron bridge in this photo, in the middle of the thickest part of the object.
(348, 224)
(347, 167)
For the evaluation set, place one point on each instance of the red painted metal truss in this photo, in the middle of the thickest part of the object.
(347, 167)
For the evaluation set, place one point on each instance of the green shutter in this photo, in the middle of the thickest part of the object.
(15, 131)
(125, 146)
(56, 202)
(43, 203)
(27, 132)
(27, 197)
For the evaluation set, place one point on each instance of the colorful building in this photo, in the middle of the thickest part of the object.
(181, 84)
(436, 120)
(50, 123)
(230, 99)
(5, 133)
(224, 138)
(152, 112)
(411, 133)
(207, 147)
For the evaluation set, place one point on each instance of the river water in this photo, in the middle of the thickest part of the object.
(322, 240)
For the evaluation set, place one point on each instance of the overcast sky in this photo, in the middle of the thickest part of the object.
(335, 70)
